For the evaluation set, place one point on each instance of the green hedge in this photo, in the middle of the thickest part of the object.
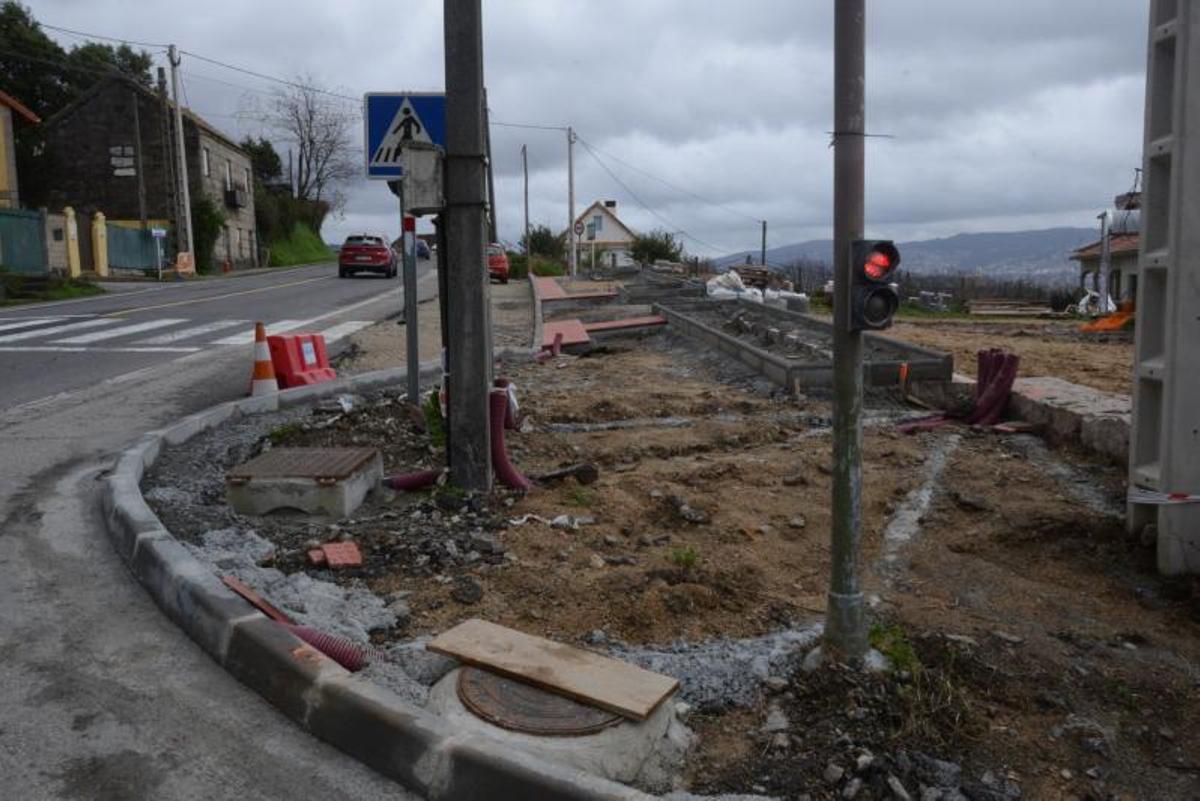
(301, 246)
(518, 266)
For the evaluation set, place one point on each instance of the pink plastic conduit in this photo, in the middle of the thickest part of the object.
(505, 471)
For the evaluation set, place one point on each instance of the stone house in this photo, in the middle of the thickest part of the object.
(113, 150)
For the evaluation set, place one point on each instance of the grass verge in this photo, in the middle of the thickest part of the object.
(302, 246)
(18, 289)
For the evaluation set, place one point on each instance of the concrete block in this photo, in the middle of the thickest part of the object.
(188, 592)
(482, 770)
(127, 516)
(277, 665)
(1063, 409)
(376, 727)
(262, 403)
(334, 497)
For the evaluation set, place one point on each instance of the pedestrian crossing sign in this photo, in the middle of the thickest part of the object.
(396, 121)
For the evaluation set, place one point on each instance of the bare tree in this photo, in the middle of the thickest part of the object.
(319, 126)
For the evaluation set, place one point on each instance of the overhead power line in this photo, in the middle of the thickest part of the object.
(86, 35)
(680, 189)
(670, 225)
(265, 77)
(528, 125)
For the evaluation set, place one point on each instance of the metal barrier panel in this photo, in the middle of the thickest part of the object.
(131, 248)
(23, 242)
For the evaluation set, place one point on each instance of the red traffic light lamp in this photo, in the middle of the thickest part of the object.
(873, 297)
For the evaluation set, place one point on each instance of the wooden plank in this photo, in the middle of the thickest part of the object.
(606, 683)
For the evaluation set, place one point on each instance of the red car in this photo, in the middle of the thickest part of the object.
(366, 253)
(497, 263)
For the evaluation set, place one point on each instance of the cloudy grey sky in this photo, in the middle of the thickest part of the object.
(1006, 115)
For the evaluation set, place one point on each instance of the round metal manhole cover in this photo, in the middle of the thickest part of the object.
(521, 707)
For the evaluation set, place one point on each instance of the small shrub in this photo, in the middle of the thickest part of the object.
(435, 424)
(891, 641)
(685, 557)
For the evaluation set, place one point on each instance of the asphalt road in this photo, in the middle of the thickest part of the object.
(102, 698)
(49, 349)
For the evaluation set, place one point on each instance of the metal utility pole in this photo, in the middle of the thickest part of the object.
(185, 214)
(763, 251)
(408, 235)
(491, 181)
(470, 347)
(137, 154)
(572, 240)
(846, 625)
(525, 170)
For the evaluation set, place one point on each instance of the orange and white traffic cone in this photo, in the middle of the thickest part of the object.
(263, 381)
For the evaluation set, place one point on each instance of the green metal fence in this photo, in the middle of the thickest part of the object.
(130, 248)
(23, 242)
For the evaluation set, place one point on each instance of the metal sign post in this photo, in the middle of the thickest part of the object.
(405, 138)
(159, 235)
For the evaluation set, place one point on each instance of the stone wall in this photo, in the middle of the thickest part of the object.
(56, 243)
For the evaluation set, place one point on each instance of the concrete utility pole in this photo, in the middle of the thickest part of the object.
(470, 345)
(572, 240)
(185, 214)
(763, 251)
(525, 171)
(1164, 439)
(845, 624)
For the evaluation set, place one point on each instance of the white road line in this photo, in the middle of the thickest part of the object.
(58, 329)
(102, 349)
(113, 333)
(334, 333)
(27, 322)
(277, 327)
(188, 333)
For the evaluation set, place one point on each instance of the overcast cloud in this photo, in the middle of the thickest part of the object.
(1006, 115)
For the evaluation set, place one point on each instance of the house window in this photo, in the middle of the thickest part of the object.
(598, 223)
(249, 182)
(205, 163)
(228, 174)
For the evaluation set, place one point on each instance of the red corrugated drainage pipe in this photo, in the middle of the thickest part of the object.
(510, 417)
(505, 471)
(408, 482)
(351, 656)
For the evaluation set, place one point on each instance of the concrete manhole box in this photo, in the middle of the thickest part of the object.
(331, 482)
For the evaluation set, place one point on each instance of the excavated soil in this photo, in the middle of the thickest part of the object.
(1054, 348)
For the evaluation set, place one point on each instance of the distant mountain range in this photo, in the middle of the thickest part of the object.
(1037, 255)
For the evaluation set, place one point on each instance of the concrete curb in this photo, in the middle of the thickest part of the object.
(366, 721)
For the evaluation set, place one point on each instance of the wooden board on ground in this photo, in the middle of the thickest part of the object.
(598, 680)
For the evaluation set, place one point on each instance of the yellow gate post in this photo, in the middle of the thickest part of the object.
(72, 228)
(100, 244)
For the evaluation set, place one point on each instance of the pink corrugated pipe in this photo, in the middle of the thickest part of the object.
(408, 482)
(508, 474)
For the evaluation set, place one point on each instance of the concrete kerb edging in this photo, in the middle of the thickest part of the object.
(368, 722)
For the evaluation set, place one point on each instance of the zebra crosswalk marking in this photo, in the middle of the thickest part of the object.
(58, 329)
(26, 323)
(120, 331)
(188, 333)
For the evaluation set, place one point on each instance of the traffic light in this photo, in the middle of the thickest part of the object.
(873, 298)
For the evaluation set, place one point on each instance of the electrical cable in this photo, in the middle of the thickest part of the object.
(99, 36)
(294, 84)
(680, 189)
(641, 203)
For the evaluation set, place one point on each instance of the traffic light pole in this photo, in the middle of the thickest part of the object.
(846, 625)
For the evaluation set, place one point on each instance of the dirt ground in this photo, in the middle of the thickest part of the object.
(1041, 649)
(1036, 651)
(1050, 348)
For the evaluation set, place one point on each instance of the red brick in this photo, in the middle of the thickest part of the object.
(342, 554)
